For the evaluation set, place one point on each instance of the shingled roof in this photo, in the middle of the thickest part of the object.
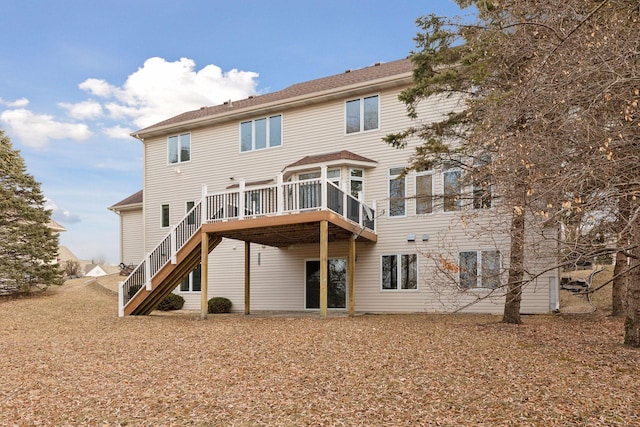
(131, 201)
(348, 78)
(328, 157)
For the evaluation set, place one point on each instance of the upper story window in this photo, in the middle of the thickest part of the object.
(397, 200)
(424, 192)
(363, 114)
(179, 148)
(261, 133)
(452, 187)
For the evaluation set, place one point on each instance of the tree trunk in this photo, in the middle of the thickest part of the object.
(516, 270)
(632, 321)
(619, 286)
(621, 269)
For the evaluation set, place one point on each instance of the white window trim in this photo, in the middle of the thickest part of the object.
(357, 179)
(253, 134)
(479, 286)
(431, 173)
(190, 291)
(389, 178)
(399, 281)
(361, 99)
(180, 162)
(168, 205)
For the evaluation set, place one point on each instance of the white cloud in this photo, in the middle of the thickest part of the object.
(97, 87)
(156, 91)
(83, 110)
(35, 130)
(160, 89)
(18, 103)
(118, 132)
(61, 215)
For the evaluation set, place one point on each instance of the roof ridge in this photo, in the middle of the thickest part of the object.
(347, 78)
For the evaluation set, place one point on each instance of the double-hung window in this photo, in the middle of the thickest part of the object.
(451, 175)
(363, 114)
(479, 269)
(179, 148)
(261, 133)
(424, 192)
(399, 272)
(397, 188)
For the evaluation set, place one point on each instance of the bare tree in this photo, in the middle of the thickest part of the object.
(552, 91)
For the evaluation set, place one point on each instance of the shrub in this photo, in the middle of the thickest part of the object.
(171, 302)
(71, 268)
(219, 305)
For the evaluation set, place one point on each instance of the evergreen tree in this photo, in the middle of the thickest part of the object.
(28, 247)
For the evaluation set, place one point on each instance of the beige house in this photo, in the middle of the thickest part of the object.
(292, 201)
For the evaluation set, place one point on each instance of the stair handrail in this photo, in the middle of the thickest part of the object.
(158, 257)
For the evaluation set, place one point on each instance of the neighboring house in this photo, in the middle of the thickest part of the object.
(131, 229)
(98, 270)
(301, 206)
(94, 270)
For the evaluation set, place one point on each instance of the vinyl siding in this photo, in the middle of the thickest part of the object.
(132, 240)
(278, 282)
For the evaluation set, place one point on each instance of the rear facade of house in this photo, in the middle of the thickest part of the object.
(418, 246)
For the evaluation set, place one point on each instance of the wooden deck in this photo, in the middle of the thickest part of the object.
(276, 231)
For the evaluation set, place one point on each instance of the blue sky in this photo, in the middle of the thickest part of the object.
(77, 76)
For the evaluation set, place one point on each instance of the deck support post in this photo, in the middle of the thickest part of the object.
(324, 266)
(351, 269)
(204, 276)
(323, 187)
(247, 277)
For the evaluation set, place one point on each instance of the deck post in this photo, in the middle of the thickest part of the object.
(242, 202)
(203, 205)
(279, 194)
(323, 187)
(247, 277)
(174, 245)
(360, 208)
(120, 299)
(204, 276)
(147, 271)
(351, 274)
(324, 266)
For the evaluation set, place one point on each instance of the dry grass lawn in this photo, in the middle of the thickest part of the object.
(67, 359)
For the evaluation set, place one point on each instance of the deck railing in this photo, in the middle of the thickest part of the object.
(242, 203)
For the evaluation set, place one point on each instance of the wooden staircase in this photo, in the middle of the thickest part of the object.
(169, 277)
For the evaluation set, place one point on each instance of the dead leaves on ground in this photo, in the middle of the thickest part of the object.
(68, 360)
